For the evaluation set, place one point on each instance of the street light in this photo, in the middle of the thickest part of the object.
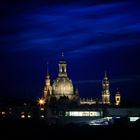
(41, 101)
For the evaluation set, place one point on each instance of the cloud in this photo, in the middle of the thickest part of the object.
(87, 81)
(75, 28)
(132, 78)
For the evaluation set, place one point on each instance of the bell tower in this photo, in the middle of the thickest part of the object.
(62, 67)
(47, 87)
(105, 90)
(117, 97)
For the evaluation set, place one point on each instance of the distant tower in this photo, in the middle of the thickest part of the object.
(117, 97)
(105, 90)
(47, 87)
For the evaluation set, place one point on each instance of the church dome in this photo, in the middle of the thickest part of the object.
(62, 86)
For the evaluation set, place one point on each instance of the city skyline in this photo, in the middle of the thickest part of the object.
(94, 36)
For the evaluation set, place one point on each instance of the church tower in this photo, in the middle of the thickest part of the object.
(47, 88)
(62, 85)
(62, 67)
(105, 90)
(117, 97)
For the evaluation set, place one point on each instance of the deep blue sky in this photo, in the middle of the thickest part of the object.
(95, 36)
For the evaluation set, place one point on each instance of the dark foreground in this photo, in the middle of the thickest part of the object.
(24, 129)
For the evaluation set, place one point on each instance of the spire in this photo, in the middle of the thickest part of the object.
(47, 88)
(62, 54)
(48, 75)
(105, 77)
(62, 60)
(105, 90)
(47, 68)
(117, 91)
(105, 74)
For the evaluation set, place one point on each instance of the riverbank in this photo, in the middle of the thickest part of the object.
(39, 129)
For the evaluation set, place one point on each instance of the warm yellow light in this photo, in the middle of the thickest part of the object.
(41, 101)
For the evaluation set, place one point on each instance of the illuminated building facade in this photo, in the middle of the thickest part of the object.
(117, 97)
(62, 86)
(88, 101)
(47, 92)
(47, 87)
(105, 90)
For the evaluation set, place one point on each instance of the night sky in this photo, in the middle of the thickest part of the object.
(95, 36)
